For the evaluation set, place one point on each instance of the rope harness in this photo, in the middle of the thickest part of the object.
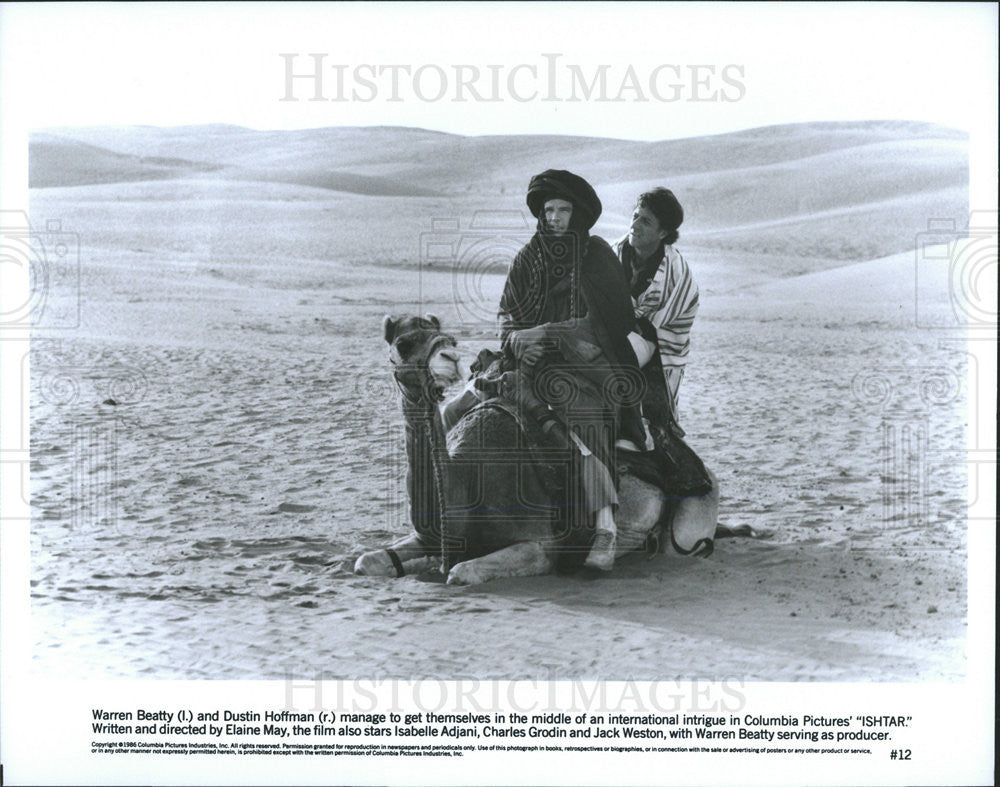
(416, 385)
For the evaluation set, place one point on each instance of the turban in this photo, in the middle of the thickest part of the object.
(560, 184)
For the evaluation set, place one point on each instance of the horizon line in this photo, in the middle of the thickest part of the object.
(219, 124)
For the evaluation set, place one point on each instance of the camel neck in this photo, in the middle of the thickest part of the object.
(427, 460)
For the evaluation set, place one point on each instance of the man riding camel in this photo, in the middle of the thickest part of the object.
(573, 340)
(566, 315)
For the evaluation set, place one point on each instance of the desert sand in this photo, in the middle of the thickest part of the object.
(218, 437)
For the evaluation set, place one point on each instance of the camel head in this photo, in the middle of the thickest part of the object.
(424, 360)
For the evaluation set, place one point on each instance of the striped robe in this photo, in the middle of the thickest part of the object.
(670, 303)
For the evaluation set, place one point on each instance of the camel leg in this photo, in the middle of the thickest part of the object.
(527, 559)
(694, 517)
(379, 564)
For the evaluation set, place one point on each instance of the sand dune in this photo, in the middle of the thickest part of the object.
(453, 156)
(887, 281)
(827, 192)
(864, 231)
(334, 180)
(56, 161)
(816, 183)
(59, 162)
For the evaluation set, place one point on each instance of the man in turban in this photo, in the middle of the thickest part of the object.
(566, 315)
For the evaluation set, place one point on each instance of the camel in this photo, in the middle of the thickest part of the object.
(487, 501)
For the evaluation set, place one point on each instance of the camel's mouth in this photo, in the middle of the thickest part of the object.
(445, 366)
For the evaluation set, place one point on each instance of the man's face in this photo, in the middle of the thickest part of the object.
(645, 233)
(557, 215)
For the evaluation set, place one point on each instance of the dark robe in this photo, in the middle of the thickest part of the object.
(640, 273)
(575, 283)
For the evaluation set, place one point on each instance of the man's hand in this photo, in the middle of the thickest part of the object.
(526, 346)
(532, 354)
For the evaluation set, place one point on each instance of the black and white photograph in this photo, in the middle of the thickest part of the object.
(371, 364)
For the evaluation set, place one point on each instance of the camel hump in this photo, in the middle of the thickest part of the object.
(493, 422)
